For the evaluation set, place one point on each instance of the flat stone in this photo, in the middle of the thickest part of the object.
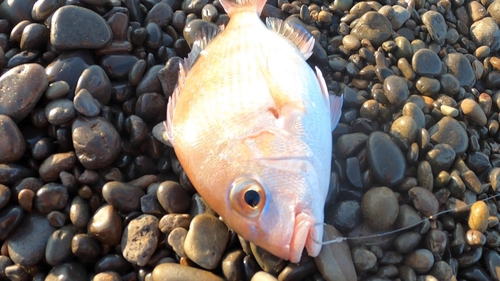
(385, 159)
(20, 89)
(90, 31)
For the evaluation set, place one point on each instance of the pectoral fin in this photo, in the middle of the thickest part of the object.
(295, 33)
(334, 103)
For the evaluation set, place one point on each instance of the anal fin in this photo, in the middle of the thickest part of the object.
(295, 33)
(334, 102)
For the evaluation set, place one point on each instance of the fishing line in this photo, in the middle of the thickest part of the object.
(341, 239)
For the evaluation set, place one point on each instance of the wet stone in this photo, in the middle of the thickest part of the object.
(436, 26)
(13, 144)
(25, 199)
(106, 225)
(173, 197)
(68, 67)
(173, 271)
(67, 33)
(460, 67)
(56, 163)
(472, 110)
(73, 271)
(385, 159)
(79, 212)
(96, 82)
(424, 201)
(267, 261)
(27, 243)
(206, 241)
(124, 197)
(396, 90)
(60, 111)
(380, 208)
(140, 239)
(117, 66)
(440, 157)
(59, 245)
(334, 260)
(10, 218)
(96, 142)
(374, 27)
(426, 62)
(404, 131)
(450, 132)
(85, 247)
(18, 97)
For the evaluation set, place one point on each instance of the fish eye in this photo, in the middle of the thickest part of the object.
(247, 197)
(252, 198)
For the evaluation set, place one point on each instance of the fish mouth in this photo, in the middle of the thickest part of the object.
(303, 237)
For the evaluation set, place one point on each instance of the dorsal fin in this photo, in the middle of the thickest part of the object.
(295, 33)
(203, 38)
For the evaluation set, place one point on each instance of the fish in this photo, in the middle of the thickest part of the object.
(251, 124)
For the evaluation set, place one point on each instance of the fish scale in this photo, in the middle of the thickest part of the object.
(251, 119)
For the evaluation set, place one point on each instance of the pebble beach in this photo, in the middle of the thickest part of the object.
(90, 191)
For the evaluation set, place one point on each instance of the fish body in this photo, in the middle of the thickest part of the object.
(251, 124)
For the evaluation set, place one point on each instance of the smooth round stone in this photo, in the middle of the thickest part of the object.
(478, 162)
(473, 111)
(385, 159)
(13, 144)
(486, 32)
(173, 197)
(52, 196)
(68, 67)
(27, 243)
(436, 26)
(363, 259)
(59, 245)
(137, 129)
(57, 90)
(96, 82)
(96, 142)
(151, 107)
(404, 131)
(461, 68)
(73, 271)
(79, 212)
(449, 111)
(232, 265)
(373, 26)
(161, 13)
(174, 271)
(10, 218)
(5, 195)
(267, 261)
(428, 86)
(117, 66)
(68, 33)
(85, 247)
(107, 276)
(478, 218)
(113, 262)
(420, 260)
(137, 71)
(16, 11)
(168, 75)
(206, 241)
(334, 260)
(492, 261)
(34, 36)
(150, 81)
(123, 196)
(396, 90)
(412, 110)
(426, 62)
(494, 178)
(60, 111)
(407, 216)
(380, 208)
(42, 9)
(407, 242)
(475, 238)
(54, 164)
(25, 199)
(140, 239)
(106, 226)
(20, 89)
(424, 175)
(449, 131)
(440, 157)
(449, 84)
(176, 240)
(424, 201)
(86, 104)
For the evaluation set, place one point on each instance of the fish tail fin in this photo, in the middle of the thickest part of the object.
(232, 5)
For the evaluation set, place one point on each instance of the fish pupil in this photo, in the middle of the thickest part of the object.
(252, 198)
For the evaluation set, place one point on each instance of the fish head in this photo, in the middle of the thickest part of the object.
(278, 205)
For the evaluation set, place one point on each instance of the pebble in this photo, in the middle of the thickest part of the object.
(50, 197)
(86, 104)
(458, 65)
(10, 218)
(173, 271)
(380, 208)
(173, 197)
(27, 243)
(59, 245)
(478, 218)
(472, 110)
(122, 196)
(440, 157)
(73, 271)
(206, 241)
(106, 225)
(449, 131)
(334, 260)
(17, 96)
(140, 239)
(404, 131)
(68, 33)
(381, 149)
(13, 144)
(436, 26)
(485, 32)
(420, 260)
(96, 142)
(374, 27)
(426, 62)
(364, 260)
(424, 201)
(96, 82)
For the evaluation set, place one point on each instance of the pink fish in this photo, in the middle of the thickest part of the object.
(251, 124)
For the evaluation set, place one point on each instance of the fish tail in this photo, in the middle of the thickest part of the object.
(232, 5)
